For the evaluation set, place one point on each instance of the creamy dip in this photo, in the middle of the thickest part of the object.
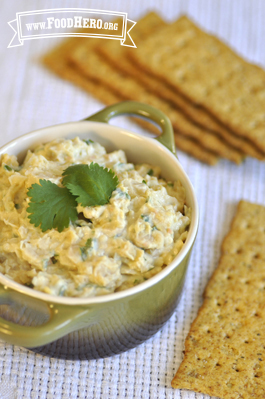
(132, 238)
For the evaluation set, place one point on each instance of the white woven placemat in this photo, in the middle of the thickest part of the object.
(32, 98)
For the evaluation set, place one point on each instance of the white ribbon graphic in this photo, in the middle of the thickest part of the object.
(61, 22)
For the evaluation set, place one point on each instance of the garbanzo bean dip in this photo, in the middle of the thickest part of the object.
(131, 238)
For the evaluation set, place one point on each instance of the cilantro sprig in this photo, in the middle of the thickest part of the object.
(55, 207)
(91, 184)
(51, 206)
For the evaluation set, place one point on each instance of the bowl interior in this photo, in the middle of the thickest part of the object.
(138, 149)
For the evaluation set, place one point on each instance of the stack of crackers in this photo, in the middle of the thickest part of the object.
(214, 99)
(225, 348)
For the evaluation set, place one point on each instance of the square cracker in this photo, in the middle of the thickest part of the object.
(57, 62)
(95, 67)
(124, 60)
(225, 348)
(211, 75)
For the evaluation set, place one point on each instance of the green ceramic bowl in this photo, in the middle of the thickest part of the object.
(106, 325)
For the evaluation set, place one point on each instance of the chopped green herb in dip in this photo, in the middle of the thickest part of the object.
(78, 221)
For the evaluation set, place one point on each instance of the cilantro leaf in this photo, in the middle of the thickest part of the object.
(9, 168)
(54, 207)
(84, 250)
(91, 184)
(88, 142)
(51, 206)
(150, 172)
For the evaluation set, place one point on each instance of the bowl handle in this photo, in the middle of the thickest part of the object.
(62, 320)
(143, 110)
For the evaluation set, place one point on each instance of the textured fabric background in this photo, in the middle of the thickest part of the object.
(32, 98)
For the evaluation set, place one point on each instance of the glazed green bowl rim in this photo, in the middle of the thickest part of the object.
(9, 283)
